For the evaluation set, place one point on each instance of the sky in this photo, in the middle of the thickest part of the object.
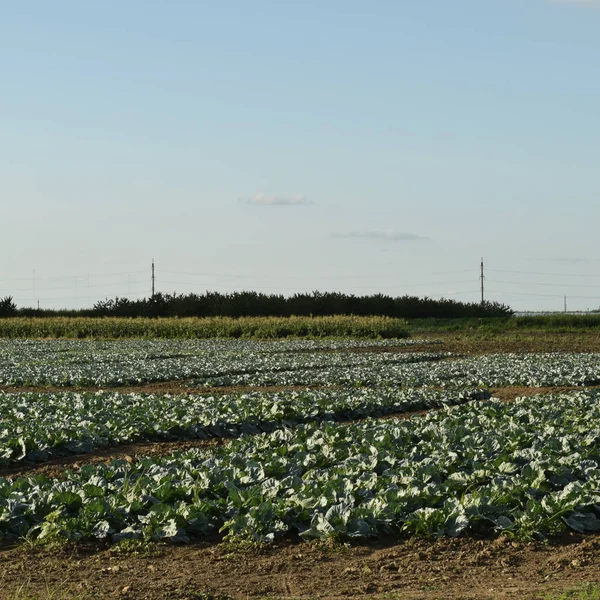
(360, 146)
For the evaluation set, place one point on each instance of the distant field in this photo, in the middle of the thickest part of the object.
(551, 323)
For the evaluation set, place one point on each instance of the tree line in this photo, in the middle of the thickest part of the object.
(256, 304)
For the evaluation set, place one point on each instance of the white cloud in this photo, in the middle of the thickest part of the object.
(388, 234)
(261, 199)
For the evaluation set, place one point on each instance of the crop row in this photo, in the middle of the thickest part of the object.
(35, 426)
(529, 468)
(205, 328)
(551, 369)
(299, 362)
(112, 364)
(89, 349)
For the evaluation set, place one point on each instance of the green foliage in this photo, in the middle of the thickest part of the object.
(205, 328)
(221, 363)
(254, 304)
(528, 469)
(197, 362)
(587, 592)
(136, 546)
(494, 325)
(7, 307)
(37, 426)
(558, 323)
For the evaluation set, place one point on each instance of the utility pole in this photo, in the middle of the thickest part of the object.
(153, 278)
(565, 304)
(482, 277)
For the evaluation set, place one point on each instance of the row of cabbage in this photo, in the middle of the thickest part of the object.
(495, 370)
(36, 426)
(133, 362)
(115, 351)
(529, 468)
(286, 363)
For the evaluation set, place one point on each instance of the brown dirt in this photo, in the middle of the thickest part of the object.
(410, 569)
(508, 394)
(55, 467)
(474, 344)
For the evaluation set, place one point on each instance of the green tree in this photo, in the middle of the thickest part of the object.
(7, 307)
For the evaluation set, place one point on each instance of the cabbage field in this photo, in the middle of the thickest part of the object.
(36, 426)
(127, 362)
(316, 439)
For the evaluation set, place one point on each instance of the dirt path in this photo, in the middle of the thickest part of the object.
(392, 568)
(473, 344)
(56, 467)
(509, 394)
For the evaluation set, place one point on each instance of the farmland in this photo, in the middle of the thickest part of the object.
(405, 464)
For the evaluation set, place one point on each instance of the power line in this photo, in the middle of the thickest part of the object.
(328, 278)
(547, 274)
(453, 294)
(573, 285)
(370, 283)
(95, 298)
(278, 287)
(545, 295)
(72, 287)
(67, 277)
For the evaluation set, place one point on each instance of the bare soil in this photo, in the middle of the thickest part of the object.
(508, 394)
(474, 344)
(390, 568)
(57, 467)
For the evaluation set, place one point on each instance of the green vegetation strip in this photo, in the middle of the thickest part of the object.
(35, 426)
(528, 469)
(206, 328)
(507, 324)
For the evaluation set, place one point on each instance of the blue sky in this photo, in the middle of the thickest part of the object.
(363, 147)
